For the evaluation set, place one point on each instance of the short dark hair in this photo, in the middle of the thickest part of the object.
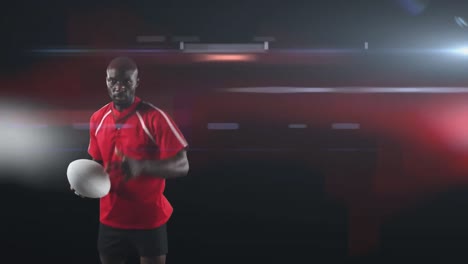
(122, 63)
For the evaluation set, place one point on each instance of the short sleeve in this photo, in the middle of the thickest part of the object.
(168, 136)
(93, 148)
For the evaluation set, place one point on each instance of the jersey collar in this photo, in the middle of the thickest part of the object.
(119, 115)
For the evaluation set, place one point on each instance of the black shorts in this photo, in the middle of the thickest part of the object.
(120, 242)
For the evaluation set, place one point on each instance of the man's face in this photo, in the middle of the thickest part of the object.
(121, 85)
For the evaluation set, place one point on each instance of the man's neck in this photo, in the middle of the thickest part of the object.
(120, 107)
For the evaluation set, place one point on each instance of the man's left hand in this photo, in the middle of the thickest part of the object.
(131, 168)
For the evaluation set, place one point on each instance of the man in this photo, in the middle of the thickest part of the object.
(140, 146)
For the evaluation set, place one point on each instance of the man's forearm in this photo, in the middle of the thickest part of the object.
(177, 166)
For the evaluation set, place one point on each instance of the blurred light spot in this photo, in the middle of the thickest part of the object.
(150, 39)
(450, 122)
(297, 126)
(81, 126)
(85, 126)
(185, 39)
(281, 90)
(345, 126)
(95, 51)
(30, 147)
(460, 22)
(290, 90)
(242, 149)
(461, 51)
(17, 125)
(224, 47)
(225, 57)
(223, 126)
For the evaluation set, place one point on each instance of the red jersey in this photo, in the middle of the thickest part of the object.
(142, 131)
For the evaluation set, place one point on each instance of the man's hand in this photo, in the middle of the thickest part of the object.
(73, 190)
(131, 168)
(173, 167)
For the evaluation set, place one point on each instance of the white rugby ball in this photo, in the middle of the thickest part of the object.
(88, 178)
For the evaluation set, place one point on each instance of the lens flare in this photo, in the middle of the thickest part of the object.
(32, 147)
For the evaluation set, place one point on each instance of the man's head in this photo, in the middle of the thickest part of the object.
(122, 81)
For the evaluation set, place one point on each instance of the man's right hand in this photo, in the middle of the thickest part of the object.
(73, 190)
